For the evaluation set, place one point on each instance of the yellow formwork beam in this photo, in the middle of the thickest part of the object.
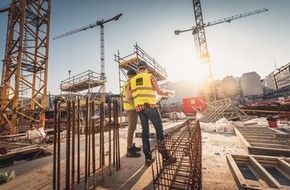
(128, 62)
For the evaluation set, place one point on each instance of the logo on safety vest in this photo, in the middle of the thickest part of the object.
(139, 81)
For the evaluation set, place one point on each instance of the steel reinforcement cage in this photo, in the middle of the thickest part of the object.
(183, 143)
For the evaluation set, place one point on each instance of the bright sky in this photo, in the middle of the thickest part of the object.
(254, 43)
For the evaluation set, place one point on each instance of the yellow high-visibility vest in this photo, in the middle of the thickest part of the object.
(127, 105)
(142, 90)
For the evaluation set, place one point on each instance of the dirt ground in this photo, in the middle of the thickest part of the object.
(215, 169)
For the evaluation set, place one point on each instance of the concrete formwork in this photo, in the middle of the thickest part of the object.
(260, 172)
(264, 141)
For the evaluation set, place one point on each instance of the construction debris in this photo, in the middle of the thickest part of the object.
(6, 176)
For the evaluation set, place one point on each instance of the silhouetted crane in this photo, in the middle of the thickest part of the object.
(102, 44)
(200, 37)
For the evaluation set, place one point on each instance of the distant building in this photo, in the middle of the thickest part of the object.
(251, 84)
(277, 83)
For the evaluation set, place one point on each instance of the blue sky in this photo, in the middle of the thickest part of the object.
(254, 43)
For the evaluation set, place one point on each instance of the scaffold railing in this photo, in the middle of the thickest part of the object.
(82, 81)
(131, 62)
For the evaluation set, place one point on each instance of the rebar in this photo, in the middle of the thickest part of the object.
(183, 144)
(64, 177)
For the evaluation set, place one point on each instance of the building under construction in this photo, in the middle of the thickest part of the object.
(77, 139)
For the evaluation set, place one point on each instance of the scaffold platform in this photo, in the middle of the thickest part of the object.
(131, 62)
(83, 81)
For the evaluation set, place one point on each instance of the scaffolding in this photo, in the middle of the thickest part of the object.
(80, 82)
(131, 62)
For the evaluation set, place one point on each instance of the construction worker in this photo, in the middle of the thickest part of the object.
(132, 117)
(143, 86)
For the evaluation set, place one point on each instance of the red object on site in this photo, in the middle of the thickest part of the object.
(194, 104)
(272, 123)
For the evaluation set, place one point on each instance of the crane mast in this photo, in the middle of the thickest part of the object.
(198, 32)
(24, 74)
(102, 44)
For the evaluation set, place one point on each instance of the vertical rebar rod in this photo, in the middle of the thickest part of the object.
(110, 139)
(93, 143)
(79, 143)
(68, 125)
(102, 155)
(117, 136)
(58, 146)
(114, 137)
(54, 143)
(89, 135)
(86, 144)
(73, 146)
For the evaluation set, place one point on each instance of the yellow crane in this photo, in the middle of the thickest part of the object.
(200, 38)
(24, 71)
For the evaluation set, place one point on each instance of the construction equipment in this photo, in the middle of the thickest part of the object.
(102, 44)
(200, 37)
(24, 74)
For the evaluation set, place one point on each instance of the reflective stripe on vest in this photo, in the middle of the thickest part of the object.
(142, 90)
(127, 105)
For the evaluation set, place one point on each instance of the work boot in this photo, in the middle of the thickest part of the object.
(170, 160)
(149, 161)
(135, 148)
(132, 153)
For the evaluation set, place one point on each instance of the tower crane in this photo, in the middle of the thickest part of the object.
(24, 71)
(102, 44)
(200, 38)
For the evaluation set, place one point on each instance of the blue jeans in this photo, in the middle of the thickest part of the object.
(153, 115)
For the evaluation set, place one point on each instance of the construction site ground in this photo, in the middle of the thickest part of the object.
(37, 174)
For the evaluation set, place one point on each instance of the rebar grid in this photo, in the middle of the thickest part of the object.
(184, 144)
